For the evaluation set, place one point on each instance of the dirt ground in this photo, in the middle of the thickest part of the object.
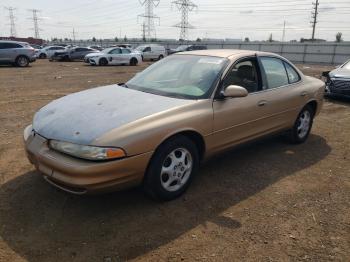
(267, 201)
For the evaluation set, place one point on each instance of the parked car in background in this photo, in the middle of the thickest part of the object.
(48, 51)
(184, 48)
(338, 81)
(96, 47)
(16, 53)
(122, 45)
(151, 52)
(156, 129)
(116, 56)
(76, 53)
(36, 47)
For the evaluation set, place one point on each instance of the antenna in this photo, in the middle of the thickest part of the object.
(35, 20)
(12, 20)
(314, 17)
(148, 28)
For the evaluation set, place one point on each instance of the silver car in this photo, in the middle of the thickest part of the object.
(16, 53)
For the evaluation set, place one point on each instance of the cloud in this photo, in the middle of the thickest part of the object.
(246, 12)
(327, 8)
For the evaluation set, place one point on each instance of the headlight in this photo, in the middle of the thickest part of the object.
(27, 132)
(87, 152)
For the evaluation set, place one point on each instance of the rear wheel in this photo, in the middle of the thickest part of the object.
(22, 61)
(172, 168)
(133, 61)
(103, 62)
(302, 126)
(160, 57)
(42, 56)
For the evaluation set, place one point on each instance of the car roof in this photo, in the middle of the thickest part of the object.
(226, 53)
(15, 42)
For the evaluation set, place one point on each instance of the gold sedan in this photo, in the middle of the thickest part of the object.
(157, 128)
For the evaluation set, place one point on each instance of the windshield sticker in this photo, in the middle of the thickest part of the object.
(215, 61)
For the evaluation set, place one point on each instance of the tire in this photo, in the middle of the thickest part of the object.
(171, 169)
(160, 57)
(42, 56)
(22, 61)
(103, 62)
(302, 126)
(133, 61)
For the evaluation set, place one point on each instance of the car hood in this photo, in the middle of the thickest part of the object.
(85, 116)
(340, 72)
(93, 54)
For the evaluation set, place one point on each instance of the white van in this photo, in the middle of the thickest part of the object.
(151, 52)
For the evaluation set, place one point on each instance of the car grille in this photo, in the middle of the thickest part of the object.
(341, 84)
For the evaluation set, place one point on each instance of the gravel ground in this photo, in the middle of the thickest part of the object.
(267, 201)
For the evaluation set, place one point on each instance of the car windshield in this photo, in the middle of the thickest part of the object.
(106, 51)
(181, 47)
(182, 76)
(347, 65)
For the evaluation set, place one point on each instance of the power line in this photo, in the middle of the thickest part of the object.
(12, 20)
(314, 16)
(35, 21)
(148, 28)
(184, 6)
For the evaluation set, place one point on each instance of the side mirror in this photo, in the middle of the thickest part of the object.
(325, 74)
(234, 91)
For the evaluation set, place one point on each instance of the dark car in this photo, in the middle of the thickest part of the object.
(16, 53)
(184, 48)
(338, 81)
(76, 53)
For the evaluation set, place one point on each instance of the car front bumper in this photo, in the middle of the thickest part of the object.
(338, 87)
(80, 176)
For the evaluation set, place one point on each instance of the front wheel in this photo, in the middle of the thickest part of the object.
(103, 62)
(133, 61)
(172, 169)
(302, 126)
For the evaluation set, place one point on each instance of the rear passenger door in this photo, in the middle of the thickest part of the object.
(126, 55)
(9, 51)
(284, 93)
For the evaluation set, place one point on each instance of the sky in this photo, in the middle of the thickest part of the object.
(220, 19)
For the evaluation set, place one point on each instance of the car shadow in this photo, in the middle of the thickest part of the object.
(41, 223)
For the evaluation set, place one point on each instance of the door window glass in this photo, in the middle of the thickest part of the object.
(276, 75)
(125, 51)
(115, 51)
(244, 74)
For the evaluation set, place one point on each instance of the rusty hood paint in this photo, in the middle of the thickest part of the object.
(85, 116)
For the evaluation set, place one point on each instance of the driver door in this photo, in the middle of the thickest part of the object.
(115, 56)
(240, 119)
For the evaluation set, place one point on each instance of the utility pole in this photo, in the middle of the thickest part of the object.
(148, 18)
(12, 20)
(314, 17)
(143, 32)
(284, 31)
(73, 33)
(35, 21)
(184, 6)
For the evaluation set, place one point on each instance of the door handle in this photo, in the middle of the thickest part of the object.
(262, 103)
(303, 93)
